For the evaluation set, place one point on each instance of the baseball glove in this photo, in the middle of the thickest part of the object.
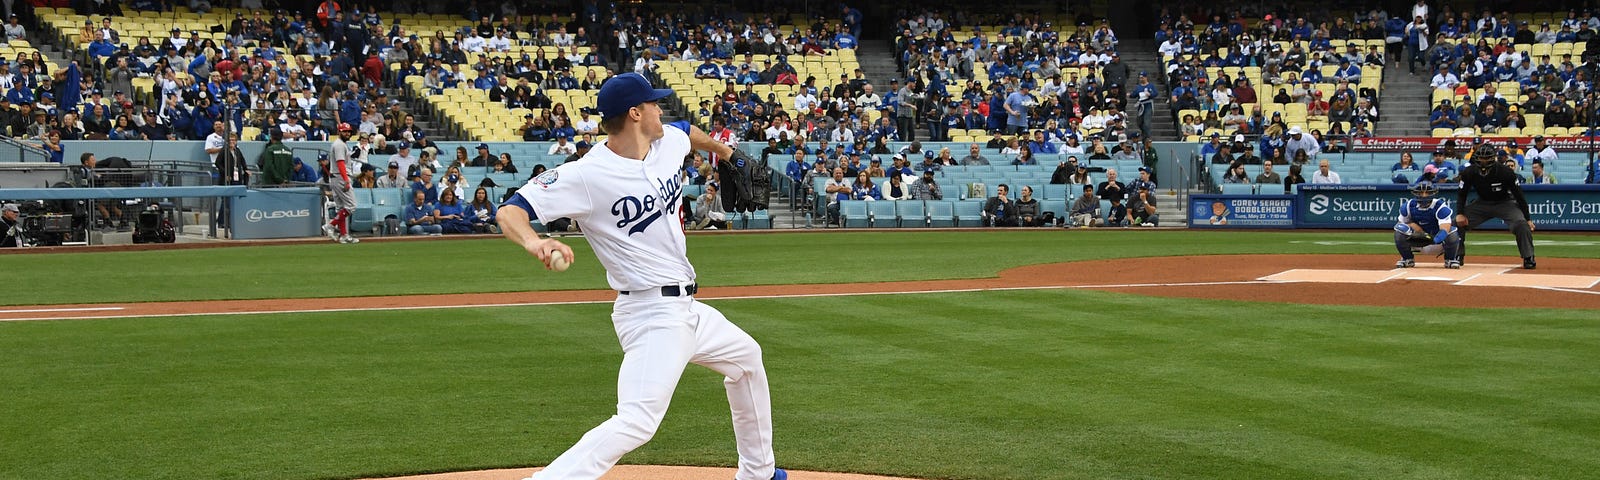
(1419, 240)
(746, 182)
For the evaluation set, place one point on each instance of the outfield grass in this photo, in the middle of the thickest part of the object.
(1022, 385)
(400, 268)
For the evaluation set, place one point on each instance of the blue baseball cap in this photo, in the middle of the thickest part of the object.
(626, 91)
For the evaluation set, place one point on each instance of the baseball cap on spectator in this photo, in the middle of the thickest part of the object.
(323, 157)
(581, 145)
(394, 164)
(403, 146)
(626, 91)
(368, 168)
(875, 160)
(483, 146)
(9, 207)
(1294, 130)
(927, 154)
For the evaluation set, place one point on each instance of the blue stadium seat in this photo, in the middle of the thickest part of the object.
(396, 197)
(758, 219)
(969, 213)
(1057, 192)
(913, 213)
(1238, 189)
(1059, 206)
(882, 213)
(853, 214)
(941, 213)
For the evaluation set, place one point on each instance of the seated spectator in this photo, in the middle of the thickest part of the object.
(1236, 174)
(367, 178)
(419, 217)
(708, 212)
(926, 188)
(1025, 157)
(1406, 163)
(450, 214)
(424, 183)
(895, 188)
(1085, 210)
(563, 146)
(481, 211)
(1142, 208)
(1000, 210)
(484, 158)
(1117, 215)
(505, 165)
(1028, 214)
(1324, 175)
(864, 189)
(1267, 176)
(838, 190)
(393, 178)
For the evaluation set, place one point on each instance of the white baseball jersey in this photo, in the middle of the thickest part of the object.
(628, 209)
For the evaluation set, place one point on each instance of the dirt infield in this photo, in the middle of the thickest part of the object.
(1312, 279)
(642, 472)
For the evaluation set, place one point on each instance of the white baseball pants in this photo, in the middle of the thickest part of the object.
(659, 337)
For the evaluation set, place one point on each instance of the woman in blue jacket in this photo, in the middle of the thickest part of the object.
(481, 212)
(450, 214)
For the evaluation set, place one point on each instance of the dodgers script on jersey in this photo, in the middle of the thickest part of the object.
(635, 230)
(1426, 214)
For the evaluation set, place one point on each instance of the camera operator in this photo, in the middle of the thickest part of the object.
(110, 212)
(10, 226)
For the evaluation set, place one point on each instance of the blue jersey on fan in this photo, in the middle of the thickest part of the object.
(1426, 213)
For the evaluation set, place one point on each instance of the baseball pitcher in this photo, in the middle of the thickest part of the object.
(625, 192)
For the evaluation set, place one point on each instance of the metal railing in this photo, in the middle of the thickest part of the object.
(22, 151)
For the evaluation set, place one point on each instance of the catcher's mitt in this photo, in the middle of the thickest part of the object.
(1419, 240)
(746, 182)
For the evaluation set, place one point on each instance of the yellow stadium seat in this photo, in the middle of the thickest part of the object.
(1442, 132)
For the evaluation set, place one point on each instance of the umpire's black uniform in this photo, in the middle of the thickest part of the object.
(1500, 197)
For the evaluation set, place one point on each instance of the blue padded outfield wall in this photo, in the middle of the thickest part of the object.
(1377, 206)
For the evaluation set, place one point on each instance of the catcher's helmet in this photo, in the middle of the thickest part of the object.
(1424, 189)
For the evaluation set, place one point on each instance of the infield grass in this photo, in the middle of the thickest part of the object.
(496, 265)
(1022, 385)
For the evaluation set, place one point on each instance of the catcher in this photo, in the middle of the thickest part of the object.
(1425, 226)
(745, 182)
(1499, 196)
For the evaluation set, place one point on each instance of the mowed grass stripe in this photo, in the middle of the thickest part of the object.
(986, 385)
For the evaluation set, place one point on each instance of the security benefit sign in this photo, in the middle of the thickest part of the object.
(1241, 211)
(1554, 207)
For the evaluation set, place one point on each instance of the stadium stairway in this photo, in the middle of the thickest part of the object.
(876, 57)
(1141, 56)
(1404, 110)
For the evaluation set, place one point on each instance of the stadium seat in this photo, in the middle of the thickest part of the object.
(969, 213)
(1238, 189)
(882, 214)
(853, 214)
(941, 213)
(758, 219)
(912, 213)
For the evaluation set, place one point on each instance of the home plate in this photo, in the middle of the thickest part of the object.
(1330, 276)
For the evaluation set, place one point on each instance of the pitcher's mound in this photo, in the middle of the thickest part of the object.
(642, 472)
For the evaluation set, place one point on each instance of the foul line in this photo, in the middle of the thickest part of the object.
(589, 302)
(1568, 290)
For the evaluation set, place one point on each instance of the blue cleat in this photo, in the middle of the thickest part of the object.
(780, 474)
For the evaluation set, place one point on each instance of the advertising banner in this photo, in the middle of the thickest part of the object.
(1241, 211)
(1554, 207)
(1428, 144)
(277, 213)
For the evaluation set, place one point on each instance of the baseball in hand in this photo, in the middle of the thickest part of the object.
(558, 261)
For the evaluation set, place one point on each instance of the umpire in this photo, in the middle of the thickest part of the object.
(1499, 196)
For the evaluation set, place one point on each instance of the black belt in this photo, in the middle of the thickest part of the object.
(671, 290)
